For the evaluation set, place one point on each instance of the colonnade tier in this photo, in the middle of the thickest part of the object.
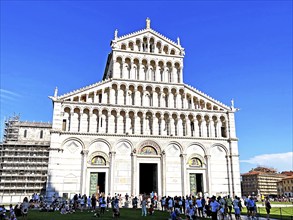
(146, 96)
(147, 69)
(112, 121)
(149, 45)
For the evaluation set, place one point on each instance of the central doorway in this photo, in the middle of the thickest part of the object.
(196, 183)
(148, 178)
(97, 183)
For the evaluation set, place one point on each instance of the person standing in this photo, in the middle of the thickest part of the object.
(214, 207)
(229, 204)
(199, 207)
(251, 207)
(94, 202)
(236, 206)
(143, 207)
(268, 207)
(24, 208)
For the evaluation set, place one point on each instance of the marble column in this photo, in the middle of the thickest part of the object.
(208, 174)
(229, 174)
(163, 163)
(183, 173)
(111, 174)
(84, 155)
(133, 173)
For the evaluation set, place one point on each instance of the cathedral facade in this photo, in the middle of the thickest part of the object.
(141, 129)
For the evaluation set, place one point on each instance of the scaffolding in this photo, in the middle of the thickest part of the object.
(24, 160)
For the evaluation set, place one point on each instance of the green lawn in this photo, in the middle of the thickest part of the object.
(128, 214)
(132, 214)
(276, 212)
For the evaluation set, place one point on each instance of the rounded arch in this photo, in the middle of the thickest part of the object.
(196, 144)
(98, 154)
(177, 144)
(66, 107)
(73, 139)
(149, 143)
(150, 111)
(124, 140)
(77, 108)
(119, 59)
(196, 160)
(220, 146)
(123, 46)
(100, 140)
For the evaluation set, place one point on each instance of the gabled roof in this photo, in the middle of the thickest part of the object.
(148, 30)
(151, 31)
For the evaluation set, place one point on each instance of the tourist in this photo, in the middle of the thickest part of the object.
(108, 200)
(143, 207)
(12, 217)
(151, 210)
(163, 203)
(236, 206)
(103, 205)
(11, 210)
(251, 207)
(2, 212)
(170, 204)
(89, 202)
(116, 213)
(199, 207)
(175, 215)
(229, 204)
(223, 209)
(93, 202)
(24, 208)
(268, 207)
(191, 211)
(214, 207)
(134, 202)
(83, 202)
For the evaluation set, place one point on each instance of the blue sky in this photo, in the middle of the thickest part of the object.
(234, 49)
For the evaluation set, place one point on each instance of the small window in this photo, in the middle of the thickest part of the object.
(224, 132)
(41, 134)
(25, 133)
(64, 125)
(100, 98)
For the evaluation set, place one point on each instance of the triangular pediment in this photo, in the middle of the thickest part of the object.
(148, 34)
(82, 92)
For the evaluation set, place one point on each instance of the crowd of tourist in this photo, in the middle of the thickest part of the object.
(191, 207)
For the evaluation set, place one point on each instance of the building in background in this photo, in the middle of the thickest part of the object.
(285, 186)
(24, 155)
(261, 181)
(142, 129)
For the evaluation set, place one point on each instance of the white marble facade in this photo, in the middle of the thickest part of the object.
(142, 121)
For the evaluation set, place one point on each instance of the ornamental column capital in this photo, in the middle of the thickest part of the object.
(84, 152)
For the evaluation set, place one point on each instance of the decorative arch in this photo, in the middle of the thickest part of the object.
(101, 140)
(66, 141)
(98, 158)
(177, 144)
(196, 160)
(198, 145)
(149, 147)
(65, 107)
(124, 141)
(220, 147)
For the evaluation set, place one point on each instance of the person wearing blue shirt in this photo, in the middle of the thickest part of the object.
(214, 207)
